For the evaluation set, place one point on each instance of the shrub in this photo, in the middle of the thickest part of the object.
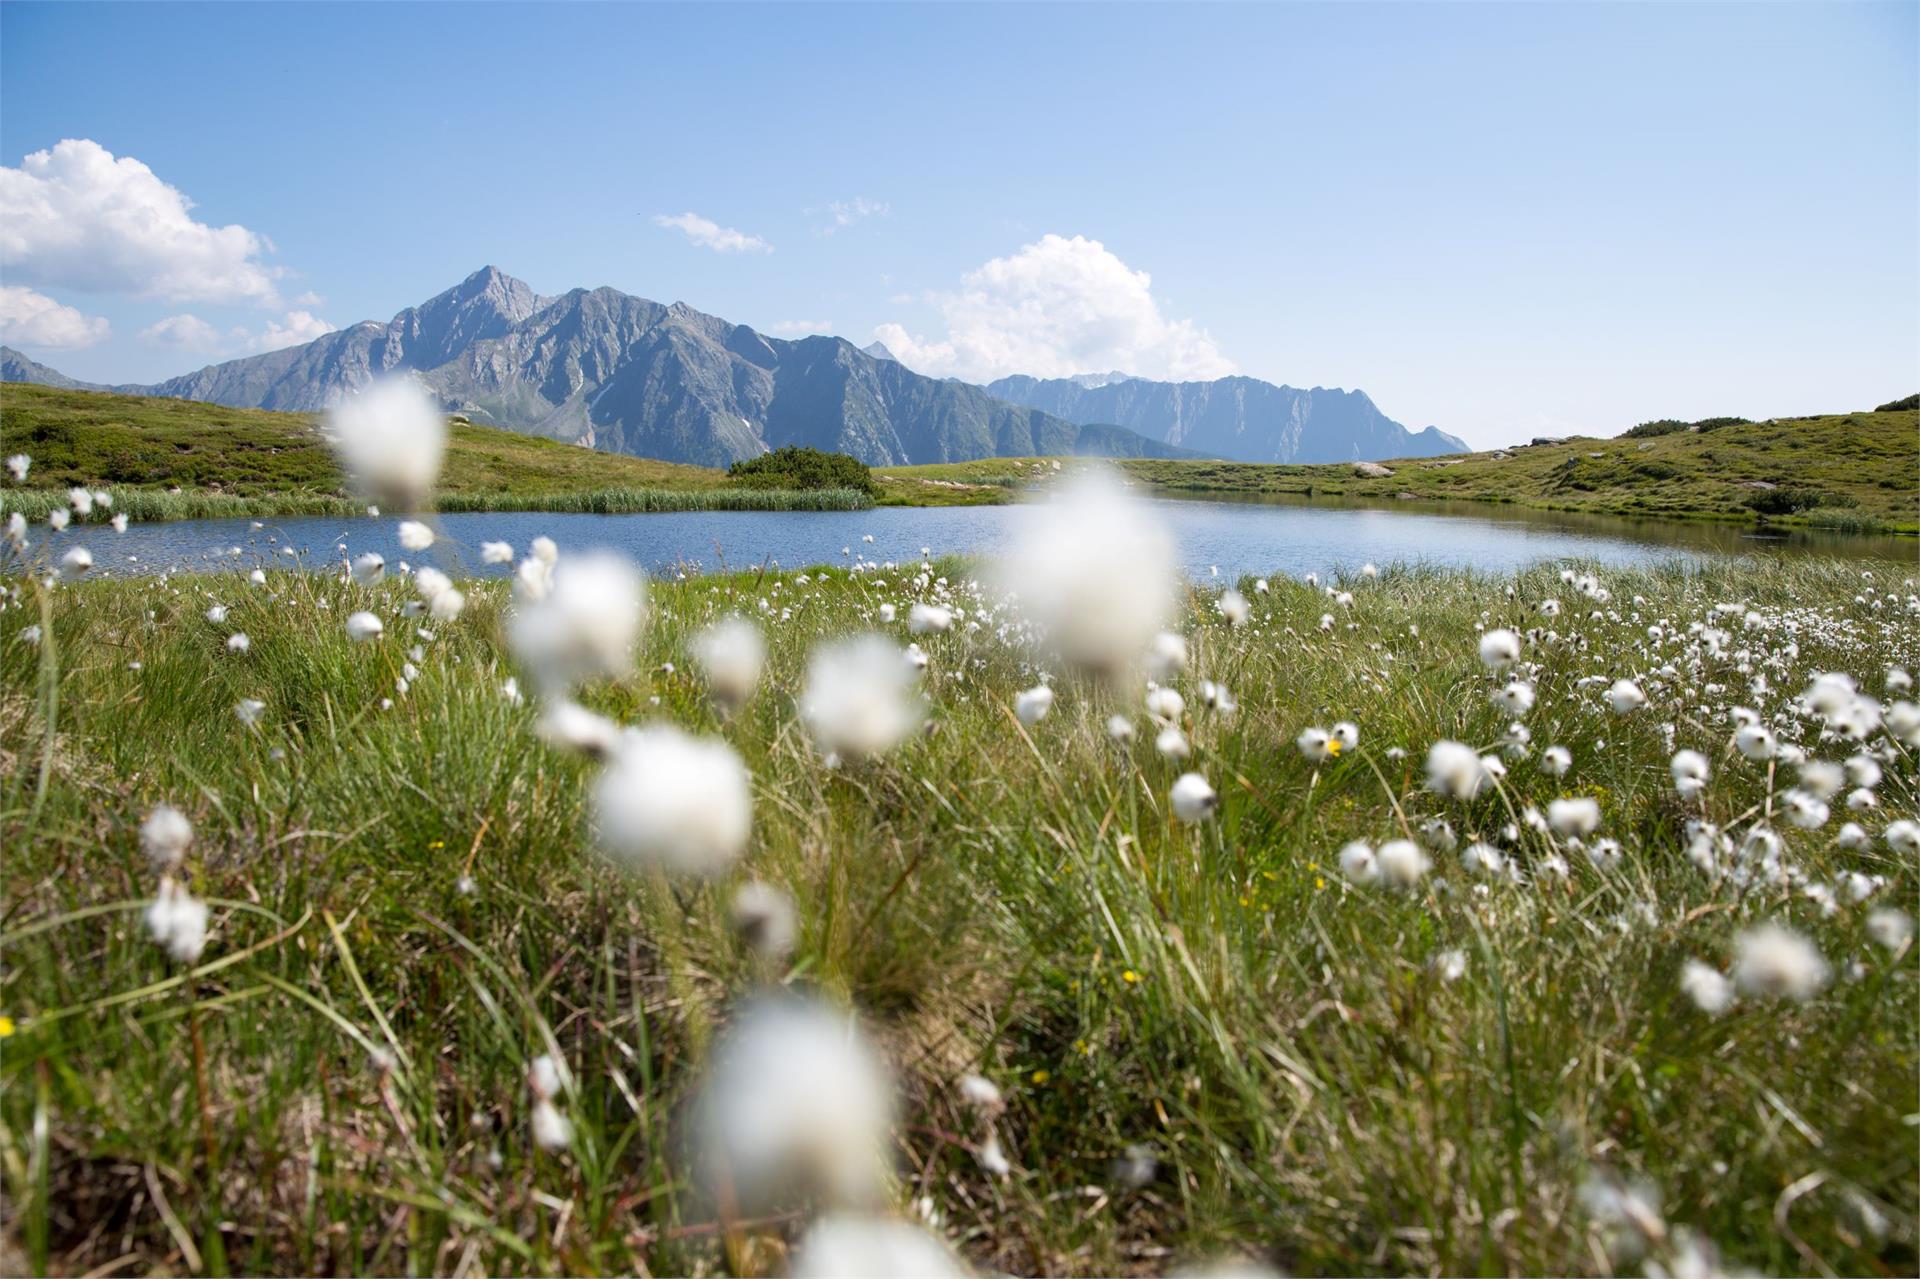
(792, 467)
(1790, 501)
(1895, 406)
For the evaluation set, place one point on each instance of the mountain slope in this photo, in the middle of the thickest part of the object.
(1240, 418)
(627, 375)
(15, 367)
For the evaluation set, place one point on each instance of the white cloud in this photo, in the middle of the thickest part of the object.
(184, 333)
(847, 212)
(78, 217)
(34, 319)
(297, 329)
(1057, 307)
(803, 326)
(709, 234)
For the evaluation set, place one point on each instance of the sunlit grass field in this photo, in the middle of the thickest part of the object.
(1211, 1043)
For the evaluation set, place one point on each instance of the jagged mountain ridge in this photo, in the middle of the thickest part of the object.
(1240, 418)
(620, 373)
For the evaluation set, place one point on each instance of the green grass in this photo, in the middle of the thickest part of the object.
(180, 459)
(1864, 469)
(990, 897)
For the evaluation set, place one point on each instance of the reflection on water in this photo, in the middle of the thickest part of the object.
(1237, 536)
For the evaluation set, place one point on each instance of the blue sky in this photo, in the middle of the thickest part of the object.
(1499, 219)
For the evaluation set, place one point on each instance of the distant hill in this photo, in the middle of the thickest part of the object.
(1239, 418)
(627, 375)
(15, 367)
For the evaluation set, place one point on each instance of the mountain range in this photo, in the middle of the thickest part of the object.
(608, 370)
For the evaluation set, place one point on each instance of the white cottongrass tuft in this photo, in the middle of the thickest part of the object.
(673, 802)
(1233, 606)
(571, 726)
(1710, 992)
(1890, 927)
(1119, 729)
(1193, 799)
(1165, 704)
(764, 919)
(1515, 698)
(838, 1246)
(1555, 761)
(165, 835)
(586, 624)
(1402, 864)
(1499, 649)
(1578, 817)
(1625, 696)
(368, 569)
(1456, 770)
(1032, 705)
(391, 438)
(1779, 963)
(1358, 863)
(178, 922)
(928, 619)
(1756, 742)
(238, 642)
(496, 552)
(860, 699)
(1902, 837)
(415, 536)
(1094, 569)
(730, 654)
(364, 626)
(795, 1103)
(76, 562)
(19, 463)
(1316, 744)
(1690, 773)
(1345, 735)
(1166, 656)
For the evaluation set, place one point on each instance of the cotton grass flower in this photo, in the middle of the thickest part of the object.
(1778, 963)
(1166, 656)
(1032, 705)
(119, 522)
(730, 654)
(1690, 773)
(75, 563)
(1233, 606)
(1316, 744)
(178, 922)
(1891, 928)
(1094, 570)
(1402, 863)
(1710, 992)
(1119, 729)
(1171, 743)
(1166, 705)
(859, 699)
(19, 464)
(1193, 799)
(415, 536)
(586, 625)
(763, 918)
(1625, 696)
(368, 569)
(1456, 770)
(842, 1247)
(795, 1104)
(1499, 649)
(496, 553)
(1515, 697)
(1555, 761)
(238, 642)
(166, 835)
(928, 619)
(363, 627)
(1345, 735)
(672, 802)
(570, 726)
(1756, 742)
(1358, 863)
(391, 438)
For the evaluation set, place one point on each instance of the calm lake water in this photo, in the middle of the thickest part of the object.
(1238, 537)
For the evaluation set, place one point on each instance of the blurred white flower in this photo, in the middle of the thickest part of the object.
(1499, 649)
(391, 438)
(165, 835)
(1165, 704)
(1690, 773)
(1710, 992)
(1032, 705)
(1316, 744)
(673, 802)
(238, 642)
(368, 569)
(1903, 837)
(1166, 656)
(1625, 696)
(1456, 770)
(1402, 864)
(1094, 569)
(76, 562)
(551, 1129)
(1358, 863)
(415, 536)
(496, 553)
(178, 922)
(19, 463)
(1555, 761)
(1890, 927)
(764, 918)
(1193, 799)
(119, 523)
(571, 726)
(1774, 961)
(854, 1247)
(928, 619)
(1120, 728)
(860, 697)
(730, 653)
(1755, 741)
(364, 626)
(1233, 606)
(249, 710)
(1515, 697)
(81, 501)
(795, 1102)
(1171, 743)
(585, 626)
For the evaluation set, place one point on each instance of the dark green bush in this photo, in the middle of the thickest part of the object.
(1911, 402)
(1791, 501)
(803, 468)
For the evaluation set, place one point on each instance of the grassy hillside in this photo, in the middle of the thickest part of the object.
(227, 461)
(1846, 471)
(1210, 1043)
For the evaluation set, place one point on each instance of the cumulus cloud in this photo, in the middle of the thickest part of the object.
(297, 329)
(847, 212)
(34, 319)
(1057, 307)
(709, 234)
(191, 333)
(794, 327)
(79, 217)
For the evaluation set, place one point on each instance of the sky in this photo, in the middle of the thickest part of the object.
(1504, 220)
